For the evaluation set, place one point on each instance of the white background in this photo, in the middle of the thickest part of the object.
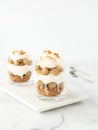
(69, 27)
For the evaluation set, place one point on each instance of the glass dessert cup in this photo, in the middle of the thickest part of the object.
(49, 76)
(23, 84)
(20, 68)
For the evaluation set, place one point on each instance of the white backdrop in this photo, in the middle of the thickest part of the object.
(69, 27)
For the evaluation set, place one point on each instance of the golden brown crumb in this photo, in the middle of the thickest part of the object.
(59, 68)
(56, 54)
(55, 72)
(52, 85)
(48, 51)
(44, 72)
(16, 63)
(10, 61)
(40, 83)
(21, 52)
(25, 61)
(20, 62)
(37, 67)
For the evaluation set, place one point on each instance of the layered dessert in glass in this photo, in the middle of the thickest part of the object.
(19, 66)
(49, 74)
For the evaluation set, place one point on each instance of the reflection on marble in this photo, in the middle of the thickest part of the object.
(80, 116)
(60, 123)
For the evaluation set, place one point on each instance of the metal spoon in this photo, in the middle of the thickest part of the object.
(82, 72)
(72, 72)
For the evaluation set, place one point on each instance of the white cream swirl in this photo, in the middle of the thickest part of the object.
(17, 56)
(19, 70)
(50, 78)
(50, 60)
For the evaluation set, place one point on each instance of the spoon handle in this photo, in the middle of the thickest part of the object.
(85, 78)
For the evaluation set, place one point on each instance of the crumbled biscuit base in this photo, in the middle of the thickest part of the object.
(51, 89)
(52, 85)
(40, 83)
(16, 78)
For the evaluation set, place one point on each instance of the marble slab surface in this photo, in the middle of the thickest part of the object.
(81, 116)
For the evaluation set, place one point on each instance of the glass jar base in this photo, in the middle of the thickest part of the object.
(28, 83)
(49, 98)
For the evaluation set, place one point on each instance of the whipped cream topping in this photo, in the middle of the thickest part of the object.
(50, 60)
(16, 56)
(19, 70)
(50, 78)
